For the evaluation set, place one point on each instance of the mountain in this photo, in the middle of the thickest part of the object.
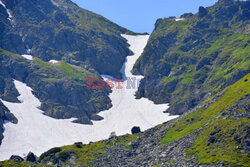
(60, 30)
(193, 58)
(215, 133)
(84, 43)
(199, 63)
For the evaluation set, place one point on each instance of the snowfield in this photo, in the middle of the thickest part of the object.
(179, 19)
(37, 133)
(54, 61)
(28, 57)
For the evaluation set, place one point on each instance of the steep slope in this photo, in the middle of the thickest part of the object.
(189, 59)
(126, 111)
(216, 133)
(60, 30)
(60, 87)
(84, 43)
(5, 115)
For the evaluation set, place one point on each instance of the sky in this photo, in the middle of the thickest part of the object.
(141, 15)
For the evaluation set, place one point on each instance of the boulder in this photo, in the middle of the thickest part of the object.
(31, 157)
(135, 129)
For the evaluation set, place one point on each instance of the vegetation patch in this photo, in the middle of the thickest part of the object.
(202, 116)
(87, 154)
(219, 142)
(57, 71)
(211, 147)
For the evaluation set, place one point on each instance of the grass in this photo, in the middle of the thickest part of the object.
(87, 154)
(166, 80)
(57, 71)
(22, 164)
(203, 116)
(188, 77)
(167, 26)
(226, 150)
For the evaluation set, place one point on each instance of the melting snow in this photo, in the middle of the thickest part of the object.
(37, 133)
(53, 61)
(28, 57)
(8, 11)
(179, 19)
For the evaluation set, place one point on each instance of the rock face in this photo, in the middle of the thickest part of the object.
(16, 158)
(184, 62)
(60, 30)
(31, 157)
(202, 12)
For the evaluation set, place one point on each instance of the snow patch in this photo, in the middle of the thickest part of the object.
(37, 132)
(10, 17)
(179, 19)
(53, 61)
(55, 3)
(28, 57)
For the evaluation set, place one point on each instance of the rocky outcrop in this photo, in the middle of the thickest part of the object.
(31, 157)
(202, 12)
(63, 95)
(16, 158)
(186, 61)
(5, 115)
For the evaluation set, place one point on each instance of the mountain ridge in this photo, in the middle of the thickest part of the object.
(189, 60)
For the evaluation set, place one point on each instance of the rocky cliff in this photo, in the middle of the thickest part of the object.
(60, 30)
(62, 88)
(189, 59)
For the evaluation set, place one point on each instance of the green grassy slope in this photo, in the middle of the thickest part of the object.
(224, 130)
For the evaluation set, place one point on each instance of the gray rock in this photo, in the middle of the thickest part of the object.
(16, 158)
(31, 157)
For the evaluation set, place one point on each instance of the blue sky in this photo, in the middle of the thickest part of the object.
(140, 15)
